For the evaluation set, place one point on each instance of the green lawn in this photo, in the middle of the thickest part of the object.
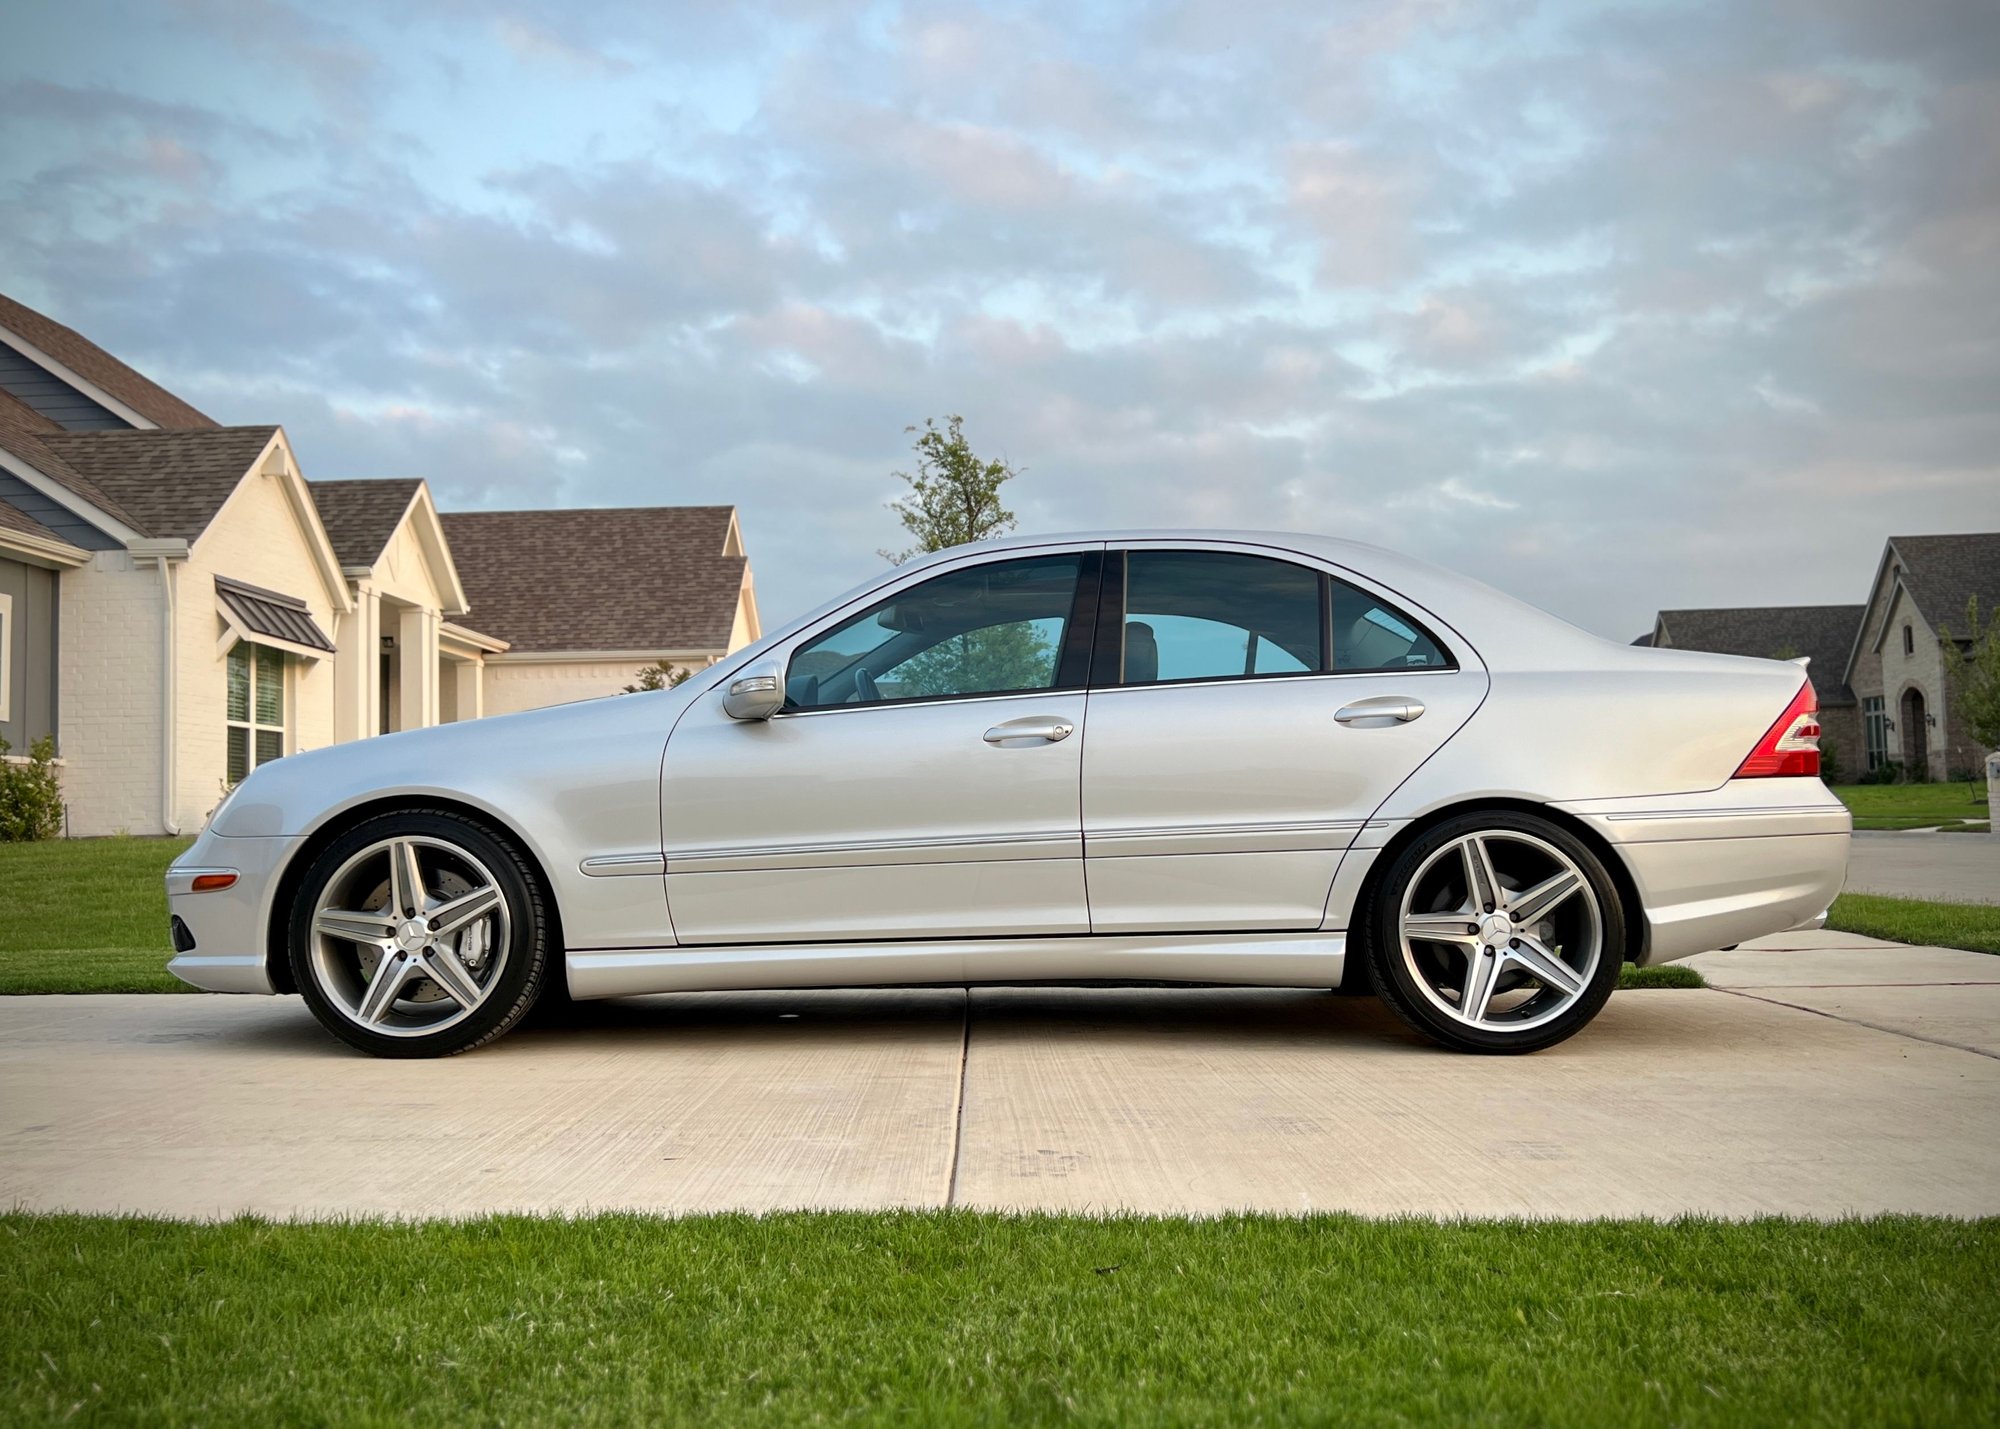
(86, 915)
(960, 1318)
(1973, 926)
(1912, 806)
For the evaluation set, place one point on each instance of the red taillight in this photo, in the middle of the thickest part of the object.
(1791, 746)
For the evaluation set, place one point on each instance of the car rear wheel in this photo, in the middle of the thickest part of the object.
(1496, 932)
(419, 934)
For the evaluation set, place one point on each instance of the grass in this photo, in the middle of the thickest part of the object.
(1912, 806)
(1665, 975)
(86, 915)
(959, 1318)
(1973, 926)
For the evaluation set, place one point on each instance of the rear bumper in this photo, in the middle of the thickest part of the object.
(227, 927)
(1757, 856)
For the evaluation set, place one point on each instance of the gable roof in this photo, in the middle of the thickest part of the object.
(360, 516)
(647, 578)
(1942, 573)
(1825, 633)
(93, 364)
(162, 483)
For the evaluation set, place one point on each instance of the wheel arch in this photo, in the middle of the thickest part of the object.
(277, 961)
(1628, 888)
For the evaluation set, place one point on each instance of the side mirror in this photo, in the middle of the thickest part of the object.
(755, 692)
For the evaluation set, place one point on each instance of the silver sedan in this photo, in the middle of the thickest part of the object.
(1157, 757)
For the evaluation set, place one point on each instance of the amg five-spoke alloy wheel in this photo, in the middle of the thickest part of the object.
(1496, 932)
(418, 935)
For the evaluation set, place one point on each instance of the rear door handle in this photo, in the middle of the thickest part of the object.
(1047, 728)
(1400, 708)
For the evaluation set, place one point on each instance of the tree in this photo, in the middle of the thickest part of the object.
(658, 676)
(954, 496)
(955, 499)
(1973, 674)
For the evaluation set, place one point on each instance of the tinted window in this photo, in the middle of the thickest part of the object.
(1369, 635)
(1203, 615)
(985, 629)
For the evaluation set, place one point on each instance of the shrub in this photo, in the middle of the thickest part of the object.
(31, 805)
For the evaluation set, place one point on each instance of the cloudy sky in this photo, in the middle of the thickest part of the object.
(1617, 305)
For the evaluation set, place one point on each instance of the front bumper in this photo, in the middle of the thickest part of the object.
(225, 931)
(1756, 857)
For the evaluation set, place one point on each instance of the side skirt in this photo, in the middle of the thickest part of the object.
(1257, 959)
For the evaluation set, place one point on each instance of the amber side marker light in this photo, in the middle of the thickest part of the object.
(211, 882)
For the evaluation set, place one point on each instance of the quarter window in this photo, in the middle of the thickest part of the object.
(1369, 634)
(256, 708)
(994, 628)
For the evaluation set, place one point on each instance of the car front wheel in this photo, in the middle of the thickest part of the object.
(1496, 932)
(419, 934)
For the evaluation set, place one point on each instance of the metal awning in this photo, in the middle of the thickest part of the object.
(269, 617)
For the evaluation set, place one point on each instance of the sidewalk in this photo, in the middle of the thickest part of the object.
(1824, 1075)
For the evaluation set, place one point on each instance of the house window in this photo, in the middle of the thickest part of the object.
(1909, 642)
(1875, 730)
(6, 656)
(256, 708)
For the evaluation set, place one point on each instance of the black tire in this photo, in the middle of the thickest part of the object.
(517, 983)
(1397, 985)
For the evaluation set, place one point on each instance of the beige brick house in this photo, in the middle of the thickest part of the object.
(1878, 668)
(179, 604)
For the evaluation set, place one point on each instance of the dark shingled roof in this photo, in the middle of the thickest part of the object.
(1823, 632)
(361, 516)
(1942, 573)
(647, 578)
(92, 363)
(163, 483)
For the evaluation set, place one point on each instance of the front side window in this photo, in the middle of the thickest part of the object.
(256, 708)
(995, 628)
(1875, 728)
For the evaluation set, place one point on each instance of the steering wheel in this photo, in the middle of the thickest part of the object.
(864, 686)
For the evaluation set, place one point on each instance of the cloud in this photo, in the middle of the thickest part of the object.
(1660, 304)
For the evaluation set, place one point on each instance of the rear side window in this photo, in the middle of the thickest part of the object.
(1216, 615)
(1207, 615)
(1369, 634)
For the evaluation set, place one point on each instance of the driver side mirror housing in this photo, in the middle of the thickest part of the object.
(757, 691)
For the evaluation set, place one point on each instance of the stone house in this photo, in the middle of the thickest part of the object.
(1878, 668)
(179, 604)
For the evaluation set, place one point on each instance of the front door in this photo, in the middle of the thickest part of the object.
(922, 780)
(1247, 716)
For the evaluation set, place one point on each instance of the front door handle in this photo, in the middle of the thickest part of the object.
(1400, 708)
(1047, 728)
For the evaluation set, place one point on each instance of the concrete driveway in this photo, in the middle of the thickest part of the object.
(1943, 868)
(1833, 1075)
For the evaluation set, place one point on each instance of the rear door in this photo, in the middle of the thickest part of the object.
(1248, 713)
